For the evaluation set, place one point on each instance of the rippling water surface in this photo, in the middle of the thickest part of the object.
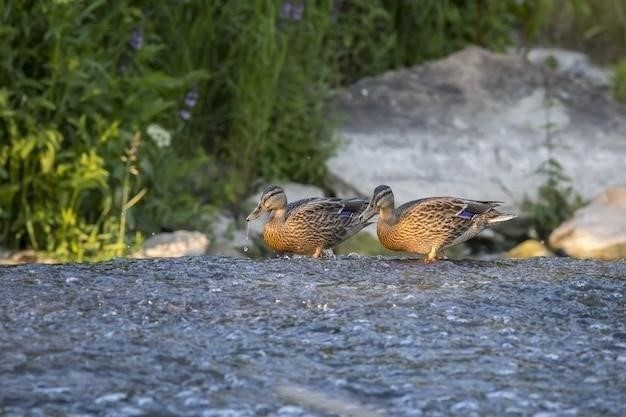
(222, 337)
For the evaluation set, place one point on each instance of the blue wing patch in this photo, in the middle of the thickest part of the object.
(344, 212)
(466, 214)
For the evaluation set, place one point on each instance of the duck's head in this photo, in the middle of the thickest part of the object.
(382, 199)
(273, 198)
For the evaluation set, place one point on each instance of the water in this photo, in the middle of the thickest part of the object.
(245, 247)
(302, 337)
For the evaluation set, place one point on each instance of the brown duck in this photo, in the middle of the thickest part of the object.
(429, 225)
(308, 226)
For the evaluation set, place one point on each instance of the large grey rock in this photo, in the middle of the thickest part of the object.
(474, 125)
(174, 245)
(597, 230)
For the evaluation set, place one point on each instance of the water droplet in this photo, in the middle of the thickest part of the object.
(245, 248)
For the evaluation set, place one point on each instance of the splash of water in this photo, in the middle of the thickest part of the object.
(245, 247)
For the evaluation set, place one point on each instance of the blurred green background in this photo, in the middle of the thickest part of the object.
(121, 119)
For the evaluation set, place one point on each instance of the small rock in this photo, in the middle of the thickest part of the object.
(530, 248)
(111, 397)
(18, 257)
(573, 63)
(26, 256)
(597, 230)
(175, 244)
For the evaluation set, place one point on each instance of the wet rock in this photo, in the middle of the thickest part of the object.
(474, 125)
(350, 336)
(530, 248)
(597, 230)
(174, 245)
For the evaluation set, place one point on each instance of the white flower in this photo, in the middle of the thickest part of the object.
(159, 135)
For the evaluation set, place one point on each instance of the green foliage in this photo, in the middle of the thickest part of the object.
(597, 27)
(532, 17)
(77, 95)
(261, 113)
(619, 81)
(556, 200)
(432, 28)
(360, 40)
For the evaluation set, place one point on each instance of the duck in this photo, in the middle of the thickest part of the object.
(429, 225)
(308, 226)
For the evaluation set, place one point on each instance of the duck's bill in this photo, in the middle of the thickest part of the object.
(256, 213)
(368, 213)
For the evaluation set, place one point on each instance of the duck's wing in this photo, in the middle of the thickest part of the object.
(353, 206)
(334, 218)
(460, 208)
(327, 206)
(472, 208)
(294, 206)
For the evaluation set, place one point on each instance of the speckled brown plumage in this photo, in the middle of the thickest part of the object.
(308, 226)
(429, 225)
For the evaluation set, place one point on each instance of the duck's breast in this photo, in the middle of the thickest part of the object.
(282, 238)
(404, 237)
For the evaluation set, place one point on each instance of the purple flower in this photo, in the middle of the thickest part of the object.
(184, 114)
(136, 39)
(192, 97)
(292, 10)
